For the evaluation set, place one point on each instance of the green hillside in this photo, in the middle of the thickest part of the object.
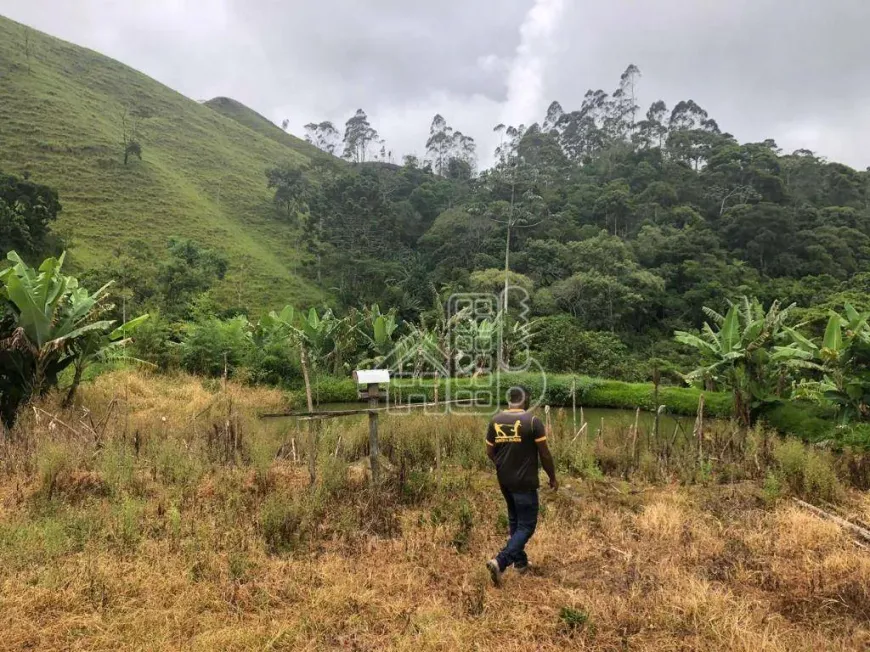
(201, 175)
(253, 120)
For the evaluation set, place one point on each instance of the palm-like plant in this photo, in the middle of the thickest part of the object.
(101, 346)
(842, 359)
(52, 321)
(738, 352)
(309, 332)
(378, 332)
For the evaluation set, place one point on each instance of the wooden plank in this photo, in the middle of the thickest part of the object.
(343, 413)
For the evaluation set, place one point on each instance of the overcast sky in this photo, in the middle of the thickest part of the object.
(797, 71)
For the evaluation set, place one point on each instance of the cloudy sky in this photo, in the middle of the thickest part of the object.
(797, 71)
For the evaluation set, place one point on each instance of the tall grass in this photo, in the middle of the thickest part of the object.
(158, 525)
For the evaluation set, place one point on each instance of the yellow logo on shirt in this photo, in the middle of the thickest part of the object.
(507, 433)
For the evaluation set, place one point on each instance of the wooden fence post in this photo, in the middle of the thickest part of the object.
(699, 428)
(573, 404)
(373, 431)
(634, 437)
(437, 438)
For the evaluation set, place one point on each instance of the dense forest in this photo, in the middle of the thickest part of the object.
(621, 226)
(618, 222)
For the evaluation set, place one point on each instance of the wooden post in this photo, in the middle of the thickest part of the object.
(399, 386)
(699, 428)
(373, 431)
(573, 404)
(634, 437)
(548, 426)
(657, 377)
(582, 417)
(312, 432)
(437, 439)
(601, 431)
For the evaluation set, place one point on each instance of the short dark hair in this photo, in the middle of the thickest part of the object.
(516, 395)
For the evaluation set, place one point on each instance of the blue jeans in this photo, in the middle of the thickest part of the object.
(522, 509)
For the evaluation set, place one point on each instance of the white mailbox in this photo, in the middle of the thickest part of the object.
(371, 376)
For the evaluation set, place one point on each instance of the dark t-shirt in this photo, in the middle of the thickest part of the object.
(514, 435)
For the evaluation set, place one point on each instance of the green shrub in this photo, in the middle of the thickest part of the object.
(174, 462)
(809, 421)
(284, 522)
(465, 525)
(573, 619)
(153, 343)
(806, 472)
(562, 345)
(127, 526)
(213, 345)
(772, 489)
(273, 362)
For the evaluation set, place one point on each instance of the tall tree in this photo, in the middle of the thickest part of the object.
(323, 135)
(358, 136)
(439, 145)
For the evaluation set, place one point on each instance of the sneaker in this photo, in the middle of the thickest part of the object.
(494, 571)
(522, 570)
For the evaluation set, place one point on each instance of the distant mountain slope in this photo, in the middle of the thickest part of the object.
(201, 175)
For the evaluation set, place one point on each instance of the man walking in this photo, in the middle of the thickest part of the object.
(515, 440)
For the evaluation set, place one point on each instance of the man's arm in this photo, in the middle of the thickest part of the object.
(547, 462)
(490, 443)
(544, 453)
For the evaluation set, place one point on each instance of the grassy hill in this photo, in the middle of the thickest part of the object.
(201, 175)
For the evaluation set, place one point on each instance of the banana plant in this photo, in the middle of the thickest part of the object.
(99, 346)
(842, 358)
(477, 345)
(309, 332)
(51, 312)
(738, 351)
(50, 321)
(378, 334)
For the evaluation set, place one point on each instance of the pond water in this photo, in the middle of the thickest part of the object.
(613, 418)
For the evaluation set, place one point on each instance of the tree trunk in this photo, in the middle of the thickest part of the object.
(303, 359)
(507, 246)
(77, 379)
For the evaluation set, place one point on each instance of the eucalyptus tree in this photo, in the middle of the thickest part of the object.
(323, 135)
(508, 194)
(359, 135)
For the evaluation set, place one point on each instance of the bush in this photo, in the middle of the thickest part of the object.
(806, 472)
(284, 522)
(562, 345)
(809, 421)
(211, 346)
(273, 363)
(152, 343)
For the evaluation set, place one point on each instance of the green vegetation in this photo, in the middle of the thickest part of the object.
(617, 231)
(64, 113)
(48, 322)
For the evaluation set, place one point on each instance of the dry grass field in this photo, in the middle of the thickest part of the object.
(122, 530)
